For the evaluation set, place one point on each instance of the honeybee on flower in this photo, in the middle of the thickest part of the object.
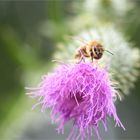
(92, 49)
(124, 72)
(81, 93)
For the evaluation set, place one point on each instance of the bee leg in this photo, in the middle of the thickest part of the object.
(78, 56)
(81, 59)
(91, 59)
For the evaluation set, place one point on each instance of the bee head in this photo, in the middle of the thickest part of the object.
(98, 51)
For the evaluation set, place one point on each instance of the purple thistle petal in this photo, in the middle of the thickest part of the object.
(82, 93)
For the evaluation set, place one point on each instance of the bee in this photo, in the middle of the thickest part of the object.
(93, 50)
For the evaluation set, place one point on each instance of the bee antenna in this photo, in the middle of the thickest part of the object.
(109, 52)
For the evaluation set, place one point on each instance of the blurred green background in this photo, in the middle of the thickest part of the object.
(29, 34)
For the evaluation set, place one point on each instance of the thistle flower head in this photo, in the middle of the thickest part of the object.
(81, 93)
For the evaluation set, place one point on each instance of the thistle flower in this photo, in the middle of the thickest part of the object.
(125, 72)
(81, 93)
